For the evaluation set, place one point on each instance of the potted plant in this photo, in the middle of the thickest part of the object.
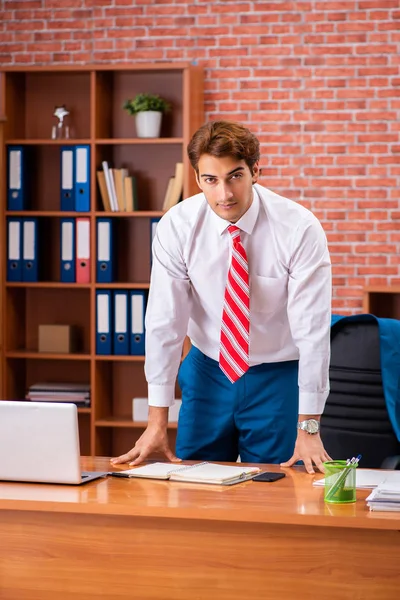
(148, 110)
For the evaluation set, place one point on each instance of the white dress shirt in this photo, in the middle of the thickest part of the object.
(290, 291)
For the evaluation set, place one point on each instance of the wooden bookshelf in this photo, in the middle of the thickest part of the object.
(94, 95)
(382, 301)
(2, 238)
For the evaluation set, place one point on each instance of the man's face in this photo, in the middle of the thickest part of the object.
(227, 185)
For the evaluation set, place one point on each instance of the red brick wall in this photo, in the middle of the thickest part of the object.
(318, 81)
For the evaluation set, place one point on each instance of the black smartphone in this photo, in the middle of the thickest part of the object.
(269, 477)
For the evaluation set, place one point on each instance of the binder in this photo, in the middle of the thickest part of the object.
(104, 259)
(121, 320)
(16, 180)
(30, 251)
(82, 179)
(67, 258)
(67, 178)
(137, 332)
(82, 260)
(14, 249)
(103, 322)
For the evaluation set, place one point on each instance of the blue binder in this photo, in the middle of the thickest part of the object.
(103, 322)
(104, 256)
(67, 250)
(30, 262)
(121, 322)
(16, 180)
(82, 178)
(137, 331)
(14, 249)
(67, 178)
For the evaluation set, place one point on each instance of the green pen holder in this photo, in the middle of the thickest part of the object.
(340, 482)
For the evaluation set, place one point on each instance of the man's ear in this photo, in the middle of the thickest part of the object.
(256, 172)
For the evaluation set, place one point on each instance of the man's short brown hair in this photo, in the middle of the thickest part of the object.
(224, 138)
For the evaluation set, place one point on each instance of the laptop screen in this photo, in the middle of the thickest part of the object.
(39, 442)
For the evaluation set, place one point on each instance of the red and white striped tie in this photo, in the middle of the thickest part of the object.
(234, 344)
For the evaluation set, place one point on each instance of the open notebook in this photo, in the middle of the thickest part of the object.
(204, 472)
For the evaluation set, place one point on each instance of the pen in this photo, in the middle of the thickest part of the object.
(117, 474)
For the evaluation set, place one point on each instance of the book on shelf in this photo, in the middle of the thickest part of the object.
(101, 179)
(130, 191)
(204, 472)
(170, 184)
(174, 191)
(118, 190)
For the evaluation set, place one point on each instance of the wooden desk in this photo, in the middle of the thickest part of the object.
(146, 539)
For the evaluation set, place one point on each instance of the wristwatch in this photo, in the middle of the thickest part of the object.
(311, 426)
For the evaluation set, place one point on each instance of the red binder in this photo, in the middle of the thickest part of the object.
(83, 250)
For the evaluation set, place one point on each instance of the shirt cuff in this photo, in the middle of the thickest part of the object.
(312, 403)
(161, 395)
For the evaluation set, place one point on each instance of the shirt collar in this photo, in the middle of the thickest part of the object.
(246, 222)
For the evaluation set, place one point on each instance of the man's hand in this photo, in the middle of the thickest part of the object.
(154, 439)
(309, 449)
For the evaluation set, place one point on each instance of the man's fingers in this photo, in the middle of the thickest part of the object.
(319, 464)
(171, 456)
(137, 461)
(308, 465)
(290, 462)
(138, 457)
(124, 458)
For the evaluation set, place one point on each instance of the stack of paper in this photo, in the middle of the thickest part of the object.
(77, 393)
(370, 478)
(386, 496)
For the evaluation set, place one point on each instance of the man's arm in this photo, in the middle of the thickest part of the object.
(167, 317)
(309, 313)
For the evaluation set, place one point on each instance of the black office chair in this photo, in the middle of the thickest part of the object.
(355, 419)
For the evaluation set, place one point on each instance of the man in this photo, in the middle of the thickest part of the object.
(246, 274)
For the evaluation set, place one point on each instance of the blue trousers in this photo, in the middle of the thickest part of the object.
(255, 417)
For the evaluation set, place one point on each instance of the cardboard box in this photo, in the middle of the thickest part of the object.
(140, 410)
(60, 339)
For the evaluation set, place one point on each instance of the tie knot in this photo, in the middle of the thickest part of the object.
(235, 233)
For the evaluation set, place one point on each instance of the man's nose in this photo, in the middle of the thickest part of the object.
(225, 192)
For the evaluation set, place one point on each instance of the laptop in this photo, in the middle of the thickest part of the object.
(39, 442)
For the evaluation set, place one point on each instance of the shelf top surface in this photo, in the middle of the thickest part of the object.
(124, 67)
(86, 141)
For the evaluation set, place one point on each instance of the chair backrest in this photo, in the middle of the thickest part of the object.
(355, 419)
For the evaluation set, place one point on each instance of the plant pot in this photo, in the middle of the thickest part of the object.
(148, 124)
